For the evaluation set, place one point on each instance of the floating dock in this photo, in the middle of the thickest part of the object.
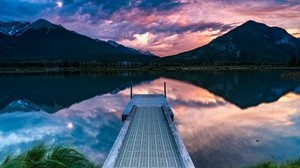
(148, 137)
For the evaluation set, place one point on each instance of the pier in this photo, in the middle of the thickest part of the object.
(148, 137)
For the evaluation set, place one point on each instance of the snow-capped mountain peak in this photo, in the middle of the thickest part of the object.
(146, 52)
(113, 43)
(13, 27)
(43, 39)
(131, 50)
(21, 106)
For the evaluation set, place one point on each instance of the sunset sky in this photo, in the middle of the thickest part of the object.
(164, 27)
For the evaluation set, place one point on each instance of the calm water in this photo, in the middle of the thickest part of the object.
(224, 118)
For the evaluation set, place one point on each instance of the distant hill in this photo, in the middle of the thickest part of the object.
(42, 40)
(250, 42)
(129, 50)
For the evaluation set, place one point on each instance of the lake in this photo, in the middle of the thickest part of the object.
(231, 118)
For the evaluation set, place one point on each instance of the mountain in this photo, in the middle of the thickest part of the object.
(250, 42)
(23, 106)
(42, 40)
(244, 88)
(128, 49)
(13, 28)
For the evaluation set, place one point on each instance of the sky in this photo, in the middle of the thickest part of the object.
(163, 27)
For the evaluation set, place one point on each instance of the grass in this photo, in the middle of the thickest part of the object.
(273, 164)
(42, 156)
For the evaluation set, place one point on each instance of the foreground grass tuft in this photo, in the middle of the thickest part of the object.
(41, 156)
(273, 164)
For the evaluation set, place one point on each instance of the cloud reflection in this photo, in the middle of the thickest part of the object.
(220, 134)
(91, 125)
(215, 132)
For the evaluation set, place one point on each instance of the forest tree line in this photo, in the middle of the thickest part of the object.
(127, 64)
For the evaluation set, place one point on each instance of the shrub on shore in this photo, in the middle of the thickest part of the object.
(42, 156)
(273, 164)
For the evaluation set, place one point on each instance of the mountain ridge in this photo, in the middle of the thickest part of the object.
(43, 40)
(249, 42)
(13, 27)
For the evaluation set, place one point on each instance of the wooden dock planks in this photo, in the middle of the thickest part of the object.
(148, 137)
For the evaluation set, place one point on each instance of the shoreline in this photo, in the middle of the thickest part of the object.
(17, 70)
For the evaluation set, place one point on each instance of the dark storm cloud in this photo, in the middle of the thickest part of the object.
(125, 22)
(126, 30)
(194, 27)
(160, 5)
(97, 11)
(24, 10)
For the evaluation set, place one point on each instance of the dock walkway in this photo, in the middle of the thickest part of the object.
(148, 137)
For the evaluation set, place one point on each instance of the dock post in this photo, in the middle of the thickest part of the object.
(130, 90)
(165, 89)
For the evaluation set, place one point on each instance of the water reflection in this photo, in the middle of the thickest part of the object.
(220, 134)
(91, 125)
(216, 132)
(59, 91)
(244, 88)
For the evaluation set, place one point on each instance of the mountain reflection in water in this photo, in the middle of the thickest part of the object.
(216, 131)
